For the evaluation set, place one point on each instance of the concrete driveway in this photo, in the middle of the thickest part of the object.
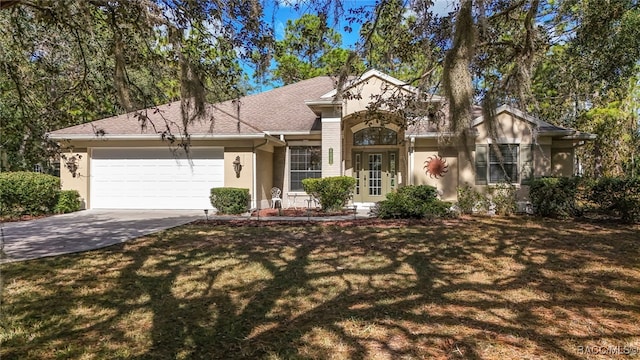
(85, 230)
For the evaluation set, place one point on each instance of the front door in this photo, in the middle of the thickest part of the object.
(375, 173)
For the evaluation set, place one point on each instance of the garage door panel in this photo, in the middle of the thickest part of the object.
(137, 178)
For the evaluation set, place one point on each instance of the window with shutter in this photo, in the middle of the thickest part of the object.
(500, 163)
(503, 163)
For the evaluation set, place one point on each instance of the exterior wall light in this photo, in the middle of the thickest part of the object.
(237, 167)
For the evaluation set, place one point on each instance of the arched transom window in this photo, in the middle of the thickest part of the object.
(375, 136)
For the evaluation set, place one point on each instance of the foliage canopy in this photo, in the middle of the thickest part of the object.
(68, 62)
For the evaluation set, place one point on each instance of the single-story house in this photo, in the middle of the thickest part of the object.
(279, 137)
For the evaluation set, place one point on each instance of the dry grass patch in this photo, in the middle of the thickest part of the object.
(471, 289)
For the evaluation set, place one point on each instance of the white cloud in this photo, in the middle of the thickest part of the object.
(444, 7)
(289, 3)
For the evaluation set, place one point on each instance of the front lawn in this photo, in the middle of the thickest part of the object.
(474, 289)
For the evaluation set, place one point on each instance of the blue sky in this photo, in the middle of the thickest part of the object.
(285, 11)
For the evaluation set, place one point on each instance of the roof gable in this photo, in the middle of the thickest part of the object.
(366, 76)
(540, 125)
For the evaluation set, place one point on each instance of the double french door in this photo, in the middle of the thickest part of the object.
(375, 173)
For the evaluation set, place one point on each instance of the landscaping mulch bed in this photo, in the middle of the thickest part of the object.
(298, 212)
(23, 218)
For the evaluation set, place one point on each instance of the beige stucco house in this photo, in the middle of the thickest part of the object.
(279, 137)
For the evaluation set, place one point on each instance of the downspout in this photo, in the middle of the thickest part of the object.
(254, 181)
(411, 159)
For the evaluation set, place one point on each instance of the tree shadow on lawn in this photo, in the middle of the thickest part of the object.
(473, 289)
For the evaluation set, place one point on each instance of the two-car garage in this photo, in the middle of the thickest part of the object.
(154, 178)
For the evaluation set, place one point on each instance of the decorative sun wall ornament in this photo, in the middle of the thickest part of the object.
(436, 166)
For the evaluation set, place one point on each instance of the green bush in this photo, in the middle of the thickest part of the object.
(423, 193)
(68, 201)
(437, 209)
(28, 193)
(229, 200)
(333, 192)
(412, 202)
(503, 196)
(554, 197)
(470, 200)
(618, 196)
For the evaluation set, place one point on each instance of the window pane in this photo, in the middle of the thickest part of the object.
(388, 137)
(306, 162)
(508, 153)
(501, 173)
(375, 136)
(503, 166)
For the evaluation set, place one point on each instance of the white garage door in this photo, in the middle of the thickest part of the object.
(156, 178)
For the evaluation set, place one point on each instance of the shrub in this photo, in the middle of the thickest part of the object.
(423, 193)
(28, 193)
(619, 196)
(398, 206)
(584, 194)
(333, 192)
(229, 200)
(470, 200)
(554, 197)
(437, 209)
(503, 196)
(68, 201)
(412, 202)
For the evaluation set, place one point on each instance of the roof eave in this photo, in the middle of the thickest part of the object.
(157, 137)
(317, 105)
(293, 132)
(556, 133)
(436, 135)
(580, 136)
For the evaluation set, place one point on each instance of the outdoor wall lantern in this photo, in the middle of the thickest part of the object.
(237, 167)
(72, 163)
(330, 156)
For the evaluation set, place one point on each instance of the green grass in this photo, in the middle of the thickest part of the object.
(475, 288)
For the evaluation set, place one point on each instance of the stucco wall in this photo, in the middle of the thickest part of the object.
(447, 184)
(542, 158)
(331, 142)
(550, 157)
(245, 180)
(279, 162)
(547, 162)
(562, 162)
(507, 127)
(264, 180)
(360, 95)
(80, 182)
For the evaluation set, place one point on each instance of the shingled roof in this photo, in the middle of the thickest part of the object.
(279, 110)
